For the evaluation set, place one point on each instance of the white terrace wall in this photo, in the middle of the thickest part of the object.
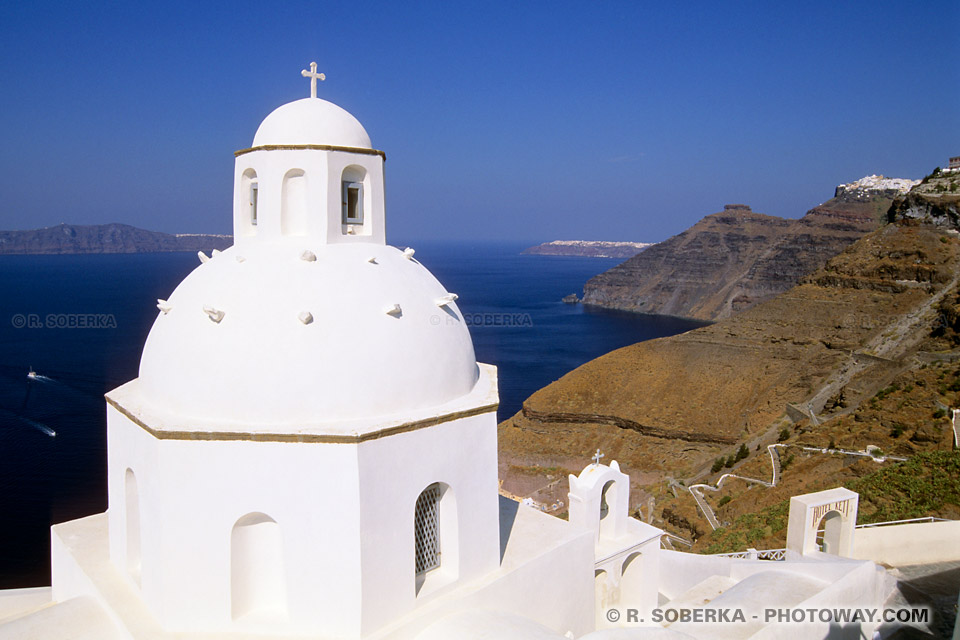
(680, 571)
(898, 545)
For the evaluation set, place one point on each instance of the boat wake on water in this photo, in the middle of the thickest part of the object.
(36, 425)
(33, 375)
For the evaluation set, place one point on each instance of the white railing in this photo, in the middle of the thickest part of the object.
(676, 538)
(890, 522)
(776, 555)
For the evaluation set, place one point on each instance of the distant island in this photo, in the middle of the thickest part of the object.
(105, 238)
(588, 249)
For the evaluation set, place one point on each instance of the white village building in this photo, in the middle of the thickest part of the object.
(310, 451)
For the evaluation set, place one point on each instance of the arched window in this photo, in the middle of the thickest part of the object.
(257, 577)
(132, 506)
(436, 538)
(249, 200)
(604, 504)
(293, 204)
(426, 525)
(353, 183)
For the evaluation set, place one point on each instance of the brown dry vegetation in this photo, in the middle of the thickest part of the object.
(868, 342)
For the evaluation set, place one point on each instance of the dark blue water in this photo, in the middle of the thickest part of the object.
(81, 321)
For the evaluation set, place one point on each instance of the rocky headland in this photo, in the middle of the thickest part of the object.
(849, 372)
(734, 259)
(588, 248)
(105, 238)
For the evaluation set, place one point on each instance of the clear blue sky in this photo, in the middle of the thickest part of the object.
(514, 120)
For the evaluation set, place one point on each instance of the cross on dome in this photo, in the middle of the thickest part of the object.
(596, 457)
(314, 76)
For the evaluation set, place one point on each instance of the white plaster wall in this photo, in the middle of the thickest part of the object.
(69, 580)
(192, 494)
(681, 571)
(271, 167)
(393, 472)
(905, 544)
(554, 588)
(130, 447)
(639, 584)
(323, 171)
(863, 585)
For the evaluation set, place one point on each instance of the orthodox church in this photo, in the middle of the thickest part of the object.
(310, 451)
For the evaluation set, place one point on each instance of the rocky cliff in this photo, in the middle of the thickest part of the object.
(105, 238)
(731, 260)
(859, 356)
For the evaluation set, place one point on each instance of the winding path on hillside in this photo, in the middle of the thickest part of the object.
(708, 513)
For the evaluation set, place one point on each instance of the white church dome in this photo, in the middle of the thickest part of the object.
(311, 121)
(266, 335)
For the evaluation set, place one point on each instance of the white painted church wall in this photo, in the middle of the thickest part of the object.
(272, 169)
(194, 492)
(130, 448)
(553, 587)
(640, 576)
(321, 174)
(461, 454)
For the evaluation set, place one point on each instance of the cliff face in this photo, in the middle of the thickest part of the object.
(935, 200)
(104, 238)
(869, 345)
(731, 260)
(675, 403)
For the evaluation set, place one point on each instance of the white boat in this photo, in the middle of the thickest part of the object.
(33, 375)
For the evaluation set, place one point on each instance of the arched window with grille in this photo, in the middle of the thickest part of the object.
(426, 525)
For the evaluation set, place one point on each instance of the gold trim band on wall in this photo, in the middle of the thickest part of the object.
(302, 437)
(314, 147)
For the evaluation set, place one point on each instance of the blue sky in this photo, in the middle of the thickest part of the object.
(524, 121)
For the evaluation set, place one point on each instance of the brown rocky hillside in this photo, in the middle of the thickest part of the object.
(731, 260)
(861, 354)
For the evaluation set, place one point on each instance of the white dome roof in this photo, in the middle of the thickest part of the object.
(311, 121)
(262, 365)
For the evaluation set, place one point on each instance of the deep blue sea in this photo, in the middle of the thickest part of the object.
(80, 322)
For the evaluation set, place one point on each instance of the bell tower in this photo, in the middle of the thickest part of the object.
(306, 153)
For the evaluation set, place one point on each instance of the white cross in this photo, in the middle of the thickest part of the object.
(314, 76)
(596, 457)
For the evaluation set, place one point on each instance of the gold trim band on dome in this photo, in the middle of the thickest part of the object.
(314, 147)
(302, 437)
